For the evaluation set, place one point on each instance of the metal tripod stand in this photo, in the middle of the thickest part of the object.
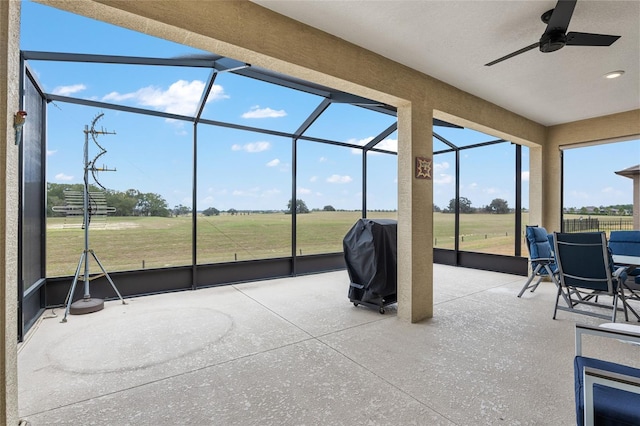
(88, 304)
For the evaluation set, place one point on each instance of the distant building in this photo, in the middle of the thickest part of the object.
(633, 172)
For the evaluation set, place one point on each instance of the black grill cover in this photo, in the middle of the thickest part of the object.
(370, 252)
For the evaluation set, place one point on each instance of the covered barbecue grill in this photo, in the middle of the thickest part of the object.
(370, 252)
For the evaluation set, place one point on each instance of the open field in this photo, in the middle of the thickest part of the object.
(129, 243)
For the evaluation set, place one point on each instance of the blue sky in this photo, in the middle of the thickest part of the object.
(246, 170)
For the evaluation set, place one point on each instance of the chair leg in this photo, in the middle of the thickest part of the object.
(626, 304)
(533, 275)
(556, 282)
(555, 310)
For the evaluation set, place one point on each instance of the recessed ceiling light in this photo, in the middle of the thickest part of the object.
(614, 74)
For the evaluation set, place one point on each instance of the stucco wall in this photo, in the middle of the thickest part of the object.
(9, 49)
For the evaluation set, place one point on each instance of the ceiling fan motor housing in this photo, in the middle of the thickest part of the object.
(552, 41)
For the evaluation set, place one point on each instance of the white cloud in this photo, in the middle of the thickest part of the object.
(256, 192)
(442, 179)
(313, 179)
(252, 147)
(257, 112)
(439, 167)
(217, 93)
(303, 191)
(251, 192)
(69, 90)
(439, 175)
(62, 176)
(359, 142)
(181, 97)
(339, 179)
(50, 153)
(323, 160)
(610, 191)
(525, 176)
(273, 162)
(271, 192)
(214, 191)
(579, 194)
(386, 144)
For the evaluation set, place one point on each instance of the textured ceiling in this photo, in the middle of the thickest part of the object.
(452, 40)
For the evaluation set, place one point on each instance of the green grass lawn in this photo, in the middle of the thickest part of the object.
(129, 243)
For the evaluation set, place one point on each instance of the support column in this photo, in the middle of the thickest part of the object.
(636, 201)
(545, 180)
(415, 214)
(551, 167)
(536, 180)
(9, 72)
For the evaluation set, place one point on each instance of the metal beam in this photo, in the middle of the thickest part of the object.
(441, 123)
(205, 94)
(381, 136)
(116, 59)
(481, 144)
(315, 89)
(445, 141)
(106, 105)
(212, 61)
(312, 118)
(98, 104)
(518, 208)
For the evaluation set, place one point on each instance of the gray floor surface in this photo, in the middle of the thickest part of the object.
(295, 351)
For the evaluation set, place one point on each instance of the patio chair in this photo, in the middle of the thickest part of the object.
(540, 247)
(627, 243)
(585, 270)
(606, 393)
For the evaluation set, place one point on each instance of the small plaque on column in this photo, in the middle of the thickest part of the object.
(423, 168)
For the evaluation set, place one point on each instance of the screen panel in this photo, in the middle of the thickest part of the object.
(32, 188)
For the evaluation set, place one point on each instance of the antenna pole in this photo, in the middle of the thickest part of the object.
(88, 304)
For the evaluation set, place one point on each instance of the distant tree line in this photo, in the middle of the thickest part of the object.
(612, 210)
(497, 206)
(500, 206)
(132, 202)
(127, 203)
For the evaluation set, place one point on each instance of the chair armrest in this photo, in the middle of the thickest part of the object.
(619, 271)
(624, 335)
(593, 376)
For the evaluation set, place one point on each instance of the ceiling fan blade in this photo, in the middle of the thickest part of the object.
(588, 39)
(561, 16)
(516, 53)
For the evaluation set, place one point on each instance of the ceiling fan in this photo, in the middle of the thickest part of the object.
(555, 37)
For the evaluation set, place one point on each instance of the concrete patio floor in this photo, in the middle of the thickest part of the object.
(295, 351)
